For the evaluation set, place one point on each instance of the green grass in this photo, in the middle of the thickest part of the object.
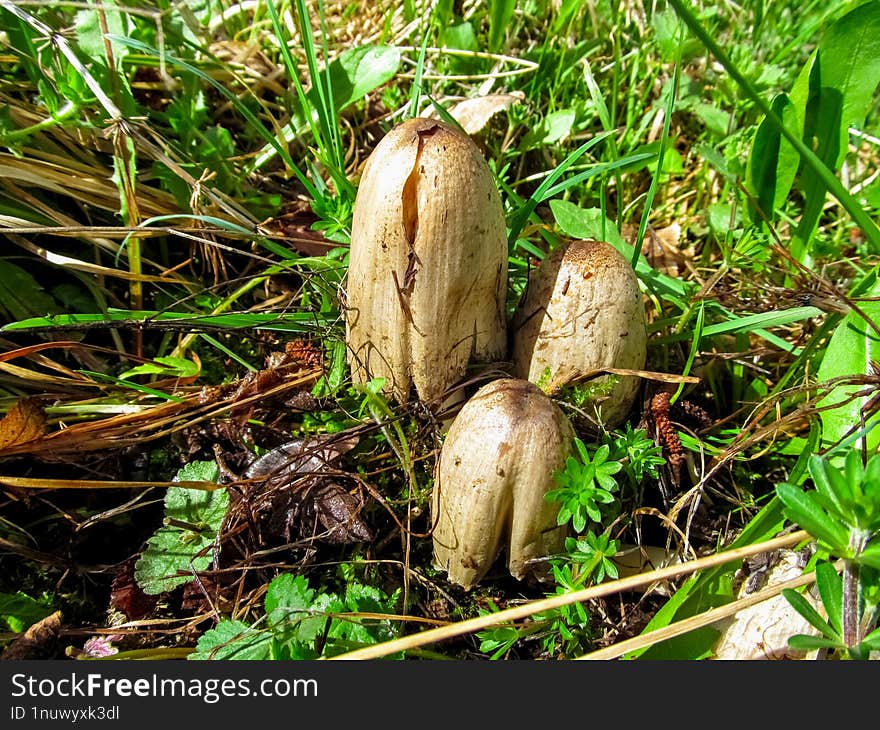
(176, 196)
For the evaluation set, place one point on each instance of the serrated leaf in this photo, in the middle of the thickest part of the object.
(295, 611)
(232, 640)
(585, 223)
(184, 546)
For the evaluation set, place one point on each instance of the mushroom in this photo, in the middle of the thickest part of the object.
(428, 263)
(582, 313)
(496, 464)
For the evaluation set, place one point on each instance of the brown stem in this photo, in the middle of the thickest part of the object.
(850, 606)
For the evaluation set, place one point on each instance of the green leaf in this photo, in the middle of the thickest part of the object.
(834, 92)
(232, 640)
(358, 71)
(292, 609)
(90, 36)
(872, 640)
(20, 294)
(553, 128)
(835, 495)
(801, 508)
(585, 223)
(20, 611)
(810, 614)
(500, 14)
(185, 544)
(773, 162)
(842, 77)
(831, 591)
(870, 556)
(173, 367)
(850, 351)
(805, 642)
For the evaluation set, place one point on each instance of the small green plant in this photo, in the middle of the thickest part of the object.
(184, 544)
(638, 453)
(303, 623)
(566, 630)
(843, 514)
(586, 483)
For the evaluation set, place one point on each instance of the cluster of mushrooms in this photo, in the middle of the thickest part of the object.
(426, 298)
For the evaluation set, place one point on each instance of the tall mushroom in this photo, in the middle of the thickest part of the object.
(428, 264)
(496, 464)
(583, 312)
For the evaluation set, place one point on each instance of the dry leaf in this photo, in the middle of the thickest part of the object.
(474, 114)
(24, 422)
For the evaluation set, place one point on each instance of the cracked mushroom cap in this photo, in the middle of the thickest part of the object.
(583, 312)
(496, 464)
(428, 264)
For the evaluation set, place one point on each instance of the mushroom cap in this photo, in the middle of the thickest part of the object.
(428, 262)
(496, 464)
(583, 312)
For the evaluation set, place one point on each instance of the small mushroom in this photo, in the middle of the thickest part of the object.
(496, 464)
(428, 264)
(582, 313)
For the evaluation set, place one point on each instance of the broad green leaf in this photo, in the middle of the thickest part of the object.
(810, 614)
(20, 294)
(554, 127)
(358, 71)
(583, 223)
(836, 87)
(90, 36)
(801, 508)
(773, 162)
(20, 611)
(232, 640)
(850, 351)
(184, 545)
(833, 92)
